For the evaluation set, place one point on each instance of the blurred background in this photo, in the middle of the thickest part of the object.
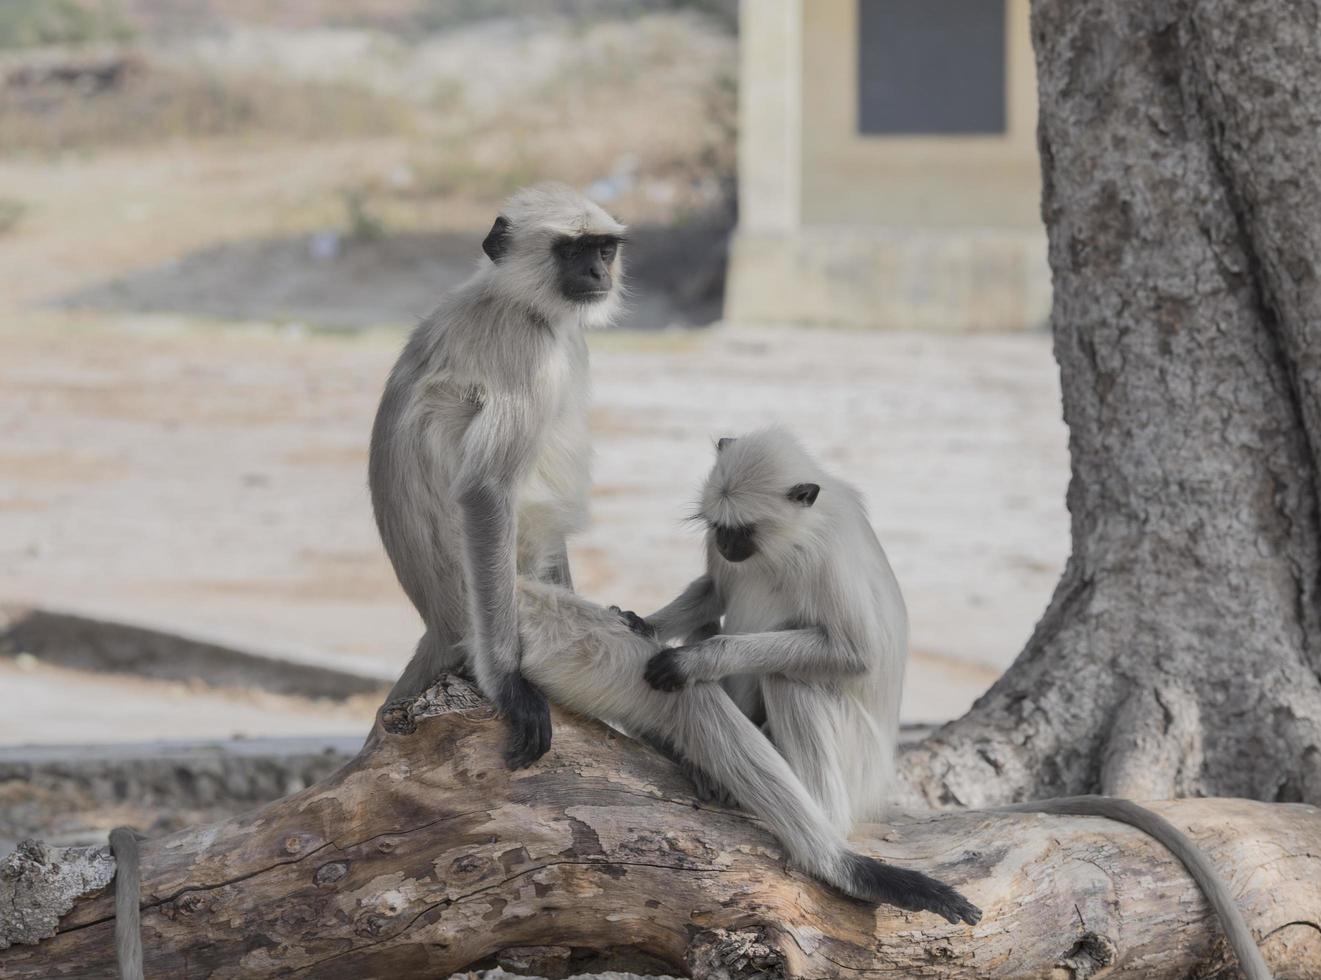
(219, 218)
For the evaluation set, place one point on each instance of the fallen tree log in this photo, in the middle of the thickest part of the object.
(424, 856)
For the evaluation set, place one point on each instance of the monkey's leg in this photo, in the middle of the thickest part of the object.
(709, 729)
(745, 690)
(705, 788)
(806, 728)
(433, 657)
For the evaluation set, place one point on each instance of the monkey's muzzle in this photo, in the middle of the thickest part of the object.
(736, 544)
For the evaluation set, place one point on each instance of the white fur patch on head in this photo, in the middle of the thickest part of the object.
(558, 208)
(752, 476)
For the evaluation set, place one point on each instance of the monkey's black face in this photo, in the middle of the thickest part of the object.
(584, 265)
(736, 544)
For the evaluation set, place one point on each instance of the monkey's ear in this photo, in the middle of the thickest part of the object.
(722, 442)
(496, 243)
(804, 493)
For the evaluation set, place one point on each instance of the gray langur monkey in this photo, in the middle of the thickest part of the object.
(128, 885)
(589, 660)
(480, 458)
(800, 616)
(805, 622)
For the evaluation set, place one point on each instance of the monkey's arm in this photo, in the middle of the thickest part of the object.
(496, 449)
(696, 606)
(793, 652)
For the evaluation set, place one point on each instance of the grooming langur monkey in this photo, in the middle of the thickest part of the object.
(800, 616)
(479, 454)
(812, 631)
(585, 658)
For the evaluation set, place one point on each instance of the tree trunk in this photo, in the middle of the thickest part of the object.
(1181, 156)
(425, 856)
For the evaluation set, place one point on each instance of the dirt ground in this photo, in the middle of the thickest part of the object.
(211, 480)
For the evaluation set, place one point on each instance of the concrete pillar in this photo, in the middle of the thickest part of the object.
(770, 114)
(927, 232)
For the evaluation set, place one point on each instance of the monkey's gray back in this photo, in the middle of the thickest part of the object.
(409, 481)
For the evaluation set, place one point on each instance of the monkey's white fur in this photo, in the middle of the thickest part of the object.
(480, 457)
(814, 626)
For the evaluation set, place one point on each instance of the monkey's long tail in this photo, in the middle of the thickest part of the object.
(708, 729)
(1250, 960)
(128, 884)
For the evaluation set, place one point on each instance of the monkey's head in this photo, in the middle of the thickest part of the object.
(759, 496)
(558, 252)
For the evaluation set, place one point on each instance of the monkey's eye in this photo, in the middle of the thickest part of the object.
(608, 251)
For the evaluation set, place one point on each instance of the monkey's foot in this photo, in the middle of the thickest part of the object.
(876, 881)
(664, 671)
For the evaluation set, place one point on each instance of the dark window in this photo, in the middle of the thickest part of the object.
(931, 66)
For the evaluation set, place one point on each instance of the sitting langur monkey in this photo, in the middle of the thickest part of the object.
(480, 463)
(480, 457)
(800, 616)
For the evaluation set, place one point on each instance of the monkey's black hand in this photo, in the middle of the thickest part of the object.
(635, 622)
(528, 715)
(665, 672)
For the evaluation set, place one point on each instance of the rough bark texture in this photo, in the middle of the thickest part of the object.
(1181, 154)
(425, 856)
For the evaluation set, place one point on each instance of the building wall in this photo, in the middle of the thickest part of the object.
(899, 231)
(911, 181)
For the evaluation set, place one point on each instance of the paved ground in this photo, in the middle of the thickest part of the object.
(211, 480)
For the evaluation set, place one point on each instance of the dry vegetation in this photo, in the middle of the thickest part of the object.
(488, 95)
(84, 101)
(329, 162)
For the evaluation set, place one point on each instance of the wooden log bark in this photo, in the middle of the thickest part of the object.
(425, 856)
